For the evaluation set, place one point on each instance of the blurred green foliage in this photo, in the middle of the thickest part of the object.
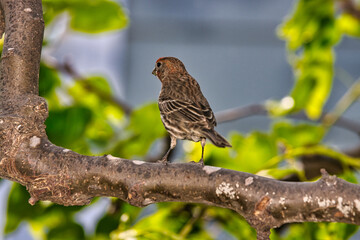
(82, 120)
(89, 16)
(311, 33)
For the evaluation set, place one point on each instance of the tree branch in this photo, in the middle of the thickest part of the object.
(62, 176)
(24, 27)
(65, 177)
(260, 109)
(67, 68)
(349, 7)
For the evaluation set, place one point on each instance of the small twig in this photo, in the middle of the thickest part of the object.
(260, 109)
(342, 105)
(66, 67)
(197, 215)
(240, 112)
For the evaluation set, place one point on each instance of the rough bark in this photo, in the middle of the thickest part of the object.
(62, 176)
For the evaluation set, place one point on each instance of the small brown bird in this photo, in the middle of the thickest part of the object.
(185, 112)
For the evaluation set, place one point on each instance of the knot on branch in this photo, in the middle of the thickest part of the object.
(261, 219)
(260, 207)
(136, 196)
(330, 181)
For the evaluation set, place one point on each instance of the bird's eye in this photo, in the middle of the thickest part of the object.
(158, 64)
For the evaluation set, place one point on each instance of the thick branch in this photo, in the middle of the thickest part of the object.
(2, 22)
(65, 177)
(20, 60)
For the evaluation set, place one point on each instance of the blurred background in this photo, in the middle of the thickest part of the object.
(281, 76)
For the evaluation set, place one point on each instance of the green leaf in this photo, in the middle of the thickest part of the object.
(298, 135)
(349, 175)
(349, 25)
(67, 230)
(107, 118)
(66, 126)
(203, 235)
(248, 153)
(279, 173)
(97, 82)
(166, 223)
(144, 128)
(48, 80)
(92, 16)
(97, 16)
(254, 151)
(91, 92)
(311, 33)
(146, 121)
(19, 209)
(333, 231)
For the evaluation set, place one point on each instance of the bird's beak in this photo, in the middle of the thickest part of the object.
(154, 72)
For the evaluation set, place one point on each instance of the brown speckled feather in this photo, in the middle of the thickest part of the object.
(185, 112)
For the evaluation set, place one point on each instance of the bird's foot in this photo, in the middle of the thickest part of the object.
(201, 161)
(163, 161)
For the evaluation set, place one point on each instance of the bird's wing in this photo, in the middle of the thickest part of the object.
(208, 113)
(200, 100)
(182, 110)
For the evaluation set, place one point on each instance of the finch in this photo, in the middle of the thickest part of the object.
(184, 111)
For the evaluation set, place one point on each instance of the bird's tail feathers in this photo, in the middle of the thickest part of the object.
(217, 139)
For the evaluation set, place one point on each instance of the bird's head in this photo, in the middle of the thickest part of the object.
(168, 65)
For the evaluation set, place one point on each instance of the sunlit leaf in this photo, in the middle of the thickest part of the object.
(349, 25)
(248, 153)
(278, 173)
(19, 209)
(94, 92)
(167, 222)
(326, 231)
(88, 16)
(144, 128)
(298, 135)
(66, 126)
(311, 33)
(48, 80)
(97, 16)
(349, 175)
(67, 230)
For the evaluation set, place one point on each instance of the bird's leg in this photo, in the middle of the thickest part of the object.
(172, 146)
(203, 141)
